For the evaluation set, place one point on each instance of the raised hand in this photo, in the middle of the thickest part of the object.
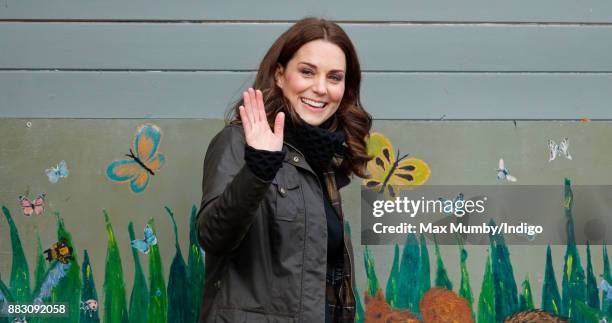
(256, 128)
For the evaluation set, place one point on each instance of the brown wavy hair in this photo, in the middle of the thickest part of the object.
(351, 117)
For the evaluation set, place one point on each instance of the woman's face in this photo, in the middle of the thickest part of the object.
(313, 81)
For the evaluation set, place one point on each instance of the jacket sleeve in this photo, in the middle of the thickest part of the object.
(231, 193)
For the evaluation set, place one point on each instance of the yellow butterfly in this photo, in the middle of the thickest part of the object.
(388, 171)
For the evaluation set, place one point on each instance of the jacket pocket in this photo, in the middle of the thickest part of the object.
(289, 198)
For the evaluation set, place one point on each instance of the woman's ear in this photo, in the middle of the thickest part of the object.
(278, 75)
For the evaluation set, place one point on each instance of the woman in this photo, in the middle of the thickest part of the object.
(270, 219)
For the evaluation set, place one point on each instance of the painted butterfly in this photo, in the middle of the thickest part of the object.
(144, 159)
(502, 172)
(558, 149)
(28, 207)
(150, 239)
(57, 172)
(388, 171)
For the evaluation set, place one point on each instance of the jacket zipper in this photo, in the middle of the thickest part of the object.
(352, 291)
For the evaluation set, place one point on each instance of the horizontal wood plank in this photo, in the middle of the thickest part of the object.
(239, 47)
(385, 95)
(592, 11)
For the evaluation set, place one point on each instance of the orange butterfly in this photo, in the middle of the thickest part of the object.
(144, 159)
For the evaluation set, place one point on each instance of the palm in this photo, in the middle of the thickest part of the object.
(256, 128)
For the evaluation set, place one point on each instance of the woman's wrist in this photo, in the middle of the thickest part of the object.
(264, 163)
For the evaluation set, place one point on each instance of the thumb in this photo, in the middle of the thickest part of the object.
(279, 124)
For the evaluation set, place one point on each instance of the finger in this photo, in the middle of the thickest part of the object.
(254, 108)
(279, 124)
(247, 106)
(260, 104)
(246, 123)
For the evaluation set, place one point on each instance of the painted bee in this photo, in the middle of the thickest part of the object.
(60, 251)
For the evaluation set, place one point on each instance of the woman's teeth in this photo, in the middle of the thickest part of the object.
(314, 104)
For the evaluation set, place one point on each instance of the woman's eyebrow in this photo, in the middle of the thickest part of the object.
(315, 67)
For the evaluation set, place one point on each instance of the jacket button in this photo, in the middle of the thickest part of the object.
(296, 159)
(283, 192)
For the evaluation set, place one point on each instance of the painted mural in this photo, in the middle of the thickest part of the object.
(116, 256)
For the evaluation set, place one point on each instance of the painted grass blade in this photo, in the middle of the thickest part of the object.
(370, 272)
(592, 291)
(68, 290)
(442, 279)
(506, 292)
(196, 271)
(139, 299)
(5, 297)
(424, 269)
(19, 283)
(526, 298)
(486, 301)
(551, 299)
(88, 292)
(465, 290)
(573, 284)
(392, 292)
(409, 275)
(158, 298)
(41, 265)
(115, 306)
(178, 286)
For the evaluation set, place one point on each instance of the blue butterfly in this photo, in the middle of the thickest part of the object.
(150, 239)
(57, 172)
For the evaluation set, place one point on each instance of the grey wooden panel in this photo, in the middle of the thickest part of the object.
(385, 95)
(347, 10)
(229, 46)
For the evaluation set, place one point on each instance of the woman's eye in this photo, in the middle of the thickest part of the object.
(336, 78)
(306, 72)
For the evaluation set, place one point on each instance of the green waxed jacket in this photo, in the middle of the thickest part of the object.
(266, 241)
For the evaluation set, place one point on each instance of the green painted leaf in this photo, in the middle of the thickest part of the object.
(551, 299)
(409, 275)
(607, 275)
(442, 279)
(391, 293)
(19, 284)
(592, 292)
(359, 313)
(465, 290)
(195, 266)
(424, 279)
(41, 265)
(573, 285)
(5, 297)
(115, 306)
(486, 301)
(588, 314)
(178, 286)
(506, 292)
(88, 292)
(68, 290)
(370, 272)
(158, 297)
(139, 299)
(526, 298)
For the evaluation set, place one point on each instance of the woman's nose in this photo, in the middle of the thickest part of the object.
(320, 86)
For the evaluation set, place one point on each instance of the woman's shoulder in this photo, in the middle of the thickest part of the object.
(230, 134)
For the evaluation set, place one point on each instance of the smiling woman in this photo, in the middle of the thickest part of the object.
(271, 220)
